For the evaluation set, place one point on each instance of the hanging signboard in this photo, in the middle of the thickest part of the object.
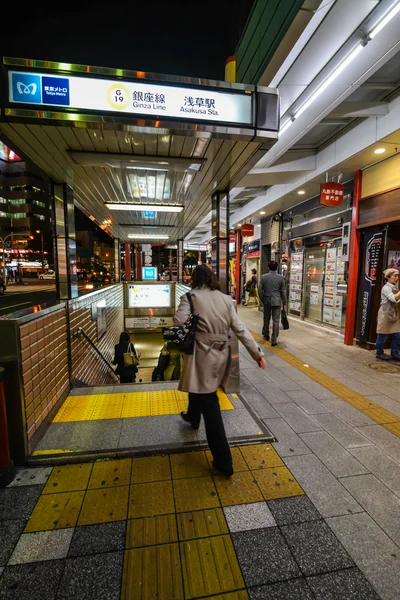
(247, 230)
(372, 253)
(331, 194)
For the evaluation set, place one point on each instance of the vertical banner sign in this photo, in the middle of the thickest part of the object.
(372, 252)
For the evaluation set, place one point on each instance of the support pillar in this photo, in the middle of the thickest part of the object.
(127, 262)
(65, 242)
(180, 261)
(238, 273)
(354, 260)
(220, 241)
(117, 260)
(138, 262)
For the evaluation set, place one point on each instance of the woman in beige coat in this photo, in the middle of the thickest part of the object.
(389, 317)
(208, 367)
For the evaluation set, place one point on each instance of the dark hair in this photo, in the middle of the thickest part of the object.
(254, 271)
(124, 338)
(273, 265)
(203, 275)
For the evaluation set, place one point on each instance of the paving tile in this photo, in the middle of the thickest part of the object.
(10, 532)
(93, 539)
(95, 577)
(318, 391)
(324, 490)
(371, 549)
(259, 404)
(237, 595)
(389, 404)
(210, 566)
(384, 439)
(338, 460)
(277, 482)
(151, 531)
(104, 506)
(241, 488)
(42, 545)
(264, 556)
(288, 442)
(348, 413)
(55, 511)
(147, 469)
(239, 464)
(152, 572)
(147, 431)
(307, 402)
(31, 476)
(1, 570)
(272, 393)
(80, 436)
(261, 456)
(315, 547)
(347, 436)
(280, 379)
(297, 509)
(349, 584)
(298, 420)
(296, 589)
(150, 499)
(239, 423)
(248, 516)
(385, 468)
(294, 373)
(110, 473)
(195, 494)
(380, 503)
(189, 464)
(18, 502)
(201, 523)
(68, 478)
(31, 581)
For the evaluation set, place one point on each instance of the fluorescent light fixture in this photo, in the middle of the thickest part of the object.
(389, 16)
(174, 208)
(285, 126)
(301, 192)
(262, 212)
(335, 73)
(147, 236)
(239, 225)
(379, 150)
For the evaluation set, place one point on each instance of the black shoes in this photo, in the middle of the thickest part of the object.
(227, 472)
(383, 357)
(266, 337)
(185, 417)
(274, 343)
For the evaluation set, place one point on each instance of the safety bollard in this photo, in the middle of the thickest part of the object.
(7, 469)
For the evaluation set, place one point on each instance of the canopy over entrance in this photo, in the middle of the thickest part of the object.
(142, 152)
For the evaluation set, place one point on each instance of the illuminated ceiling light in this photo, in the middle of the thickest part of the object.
(301, 192)
(174, 208)
(377, 28)
(262, 212)
(147, 236)
(379, 150)
(239, 225)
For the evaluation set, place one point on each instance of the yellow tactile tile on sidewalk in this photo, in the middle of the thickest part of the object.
(210, 566)
(152, 572)
(277, 482)
(239, 595)
(110, 473)
(189, 464)
(381, 416)
(68, 478)
(261, 456)
(151, 499)
(151, 531)
(239, 464)
(196, 493)
(238, 489)
(151, 468)
(201, 523)
(104, 506)
(55, 511)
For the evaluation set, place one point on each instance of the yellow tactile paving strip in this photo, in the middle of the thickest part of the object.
(370, 409)
(177, 541)
(93, 407)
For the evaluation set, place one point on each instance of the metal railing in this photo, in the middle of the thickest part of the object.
(80, 332)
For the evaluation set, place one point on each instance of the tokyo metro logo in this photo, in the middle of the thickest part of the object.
(26, 88)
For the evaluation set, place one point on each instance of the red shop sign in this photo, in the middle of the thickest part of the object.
(232, 236)
(247, 230)
(331, 194)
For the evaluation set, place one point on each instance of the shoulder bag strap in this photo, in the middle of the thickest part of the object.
(189, 297)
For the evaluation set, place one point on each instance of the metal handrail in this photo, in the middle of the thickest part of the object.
(85, 335)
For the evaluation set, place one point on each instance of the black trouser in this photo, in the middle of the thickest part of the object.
(208, 406)
(275, 312)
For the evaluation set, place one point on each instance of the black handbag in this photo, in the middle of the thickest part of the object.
(182, 337)
(284, 320)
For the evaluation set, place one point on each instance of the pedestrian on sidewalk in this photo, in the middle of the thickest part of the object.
(251, 290)
(272, 292)
(208, 368)
(389, 317)
(127, 373)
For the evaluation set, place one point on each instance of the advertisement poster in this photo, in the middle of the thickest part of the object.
(328, 313)
(314, 299)
(331, 254)
(394, 260)
(372, 253)
(295, 281)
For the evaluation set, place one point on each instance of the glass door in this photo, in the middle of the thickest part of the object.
(314, 275)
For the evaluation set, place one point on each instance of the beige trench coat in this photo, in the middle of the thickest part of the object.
(209, 366)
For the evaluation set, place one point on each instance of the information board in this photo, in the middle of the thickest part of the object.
(149, 296)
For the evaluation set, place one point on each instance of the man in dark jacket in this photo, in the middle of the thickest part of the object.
(272, 294)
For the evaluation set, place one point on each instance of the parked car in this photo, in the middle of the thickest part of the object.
(47, 275)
